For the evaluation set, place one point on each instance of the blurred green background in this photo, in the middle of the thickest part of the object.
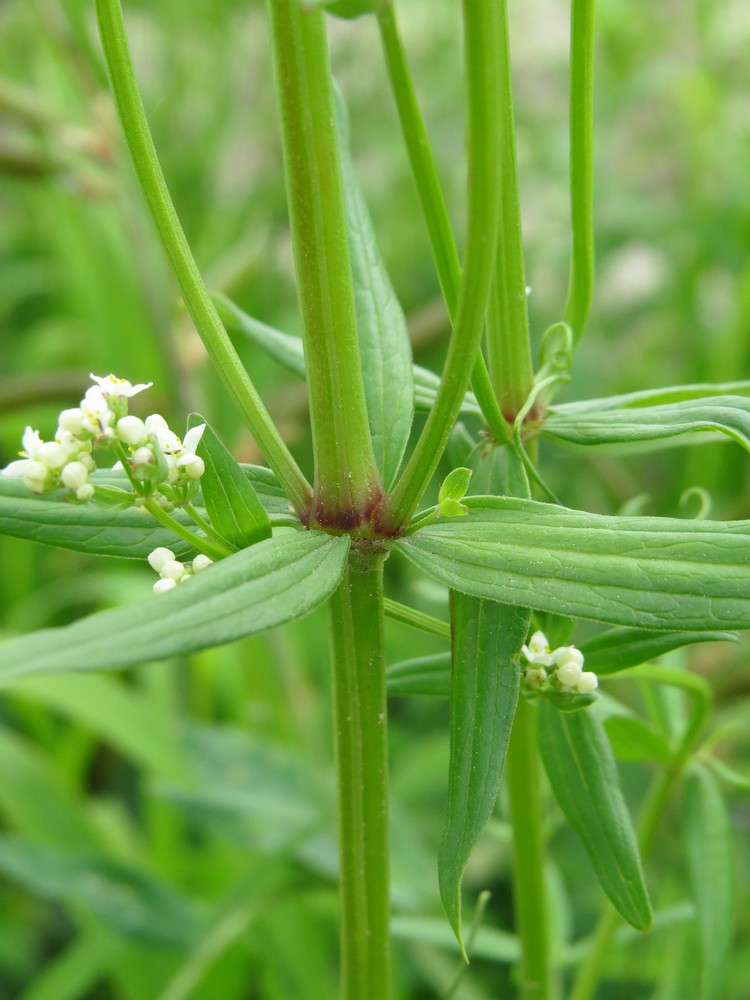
(169, 833)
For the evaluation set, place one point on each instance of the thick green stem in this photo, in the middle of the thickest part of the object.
(523, 769)
(347, 484)
(356, 628)
(508, 342)
(197, 300)
(581, 282)
(482, 34)
(427, 181)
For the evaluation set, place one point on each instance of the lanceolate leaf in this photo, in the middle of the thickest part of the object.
(648, 572)
(620, 648)
(652, 425)
(655, 397)
(106, 530)
(583, 775)
(383, 337)
(709, 855)
(259, 588)
(231, 502)
(487, 640)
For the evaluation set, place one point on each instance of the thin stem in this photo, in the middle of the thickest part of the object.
(417, 619)
(346, 479)
(482, 41)
(198, 302)
(430, 192)
(529, 893)
(202, 544)
(356, 631)
(581, 281)
(508, 341)
(207, 528)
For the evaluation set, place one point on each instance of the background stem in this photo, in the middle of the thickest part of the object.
(356, 629)
(523, 769)
(197, 300)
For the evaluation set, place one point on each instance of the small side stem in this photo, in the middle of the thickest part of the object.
(202, 544)
(197, 300)
(581, 281)
(204, 525)
(357, 640)
(430, 192)
(523, 769)
(417, 619)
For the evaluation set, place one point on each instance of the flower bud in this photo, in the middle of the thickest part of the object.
(195, 468)
(85, 492)
(535, 676)
(75, 475)
(172, 570)
(71, 420)
(36, 472)
(163, 586)
(568, 654)
(569, 674)
(587, 682)
(131, 430)
(159, 558)
(201, 562)
(52, 454)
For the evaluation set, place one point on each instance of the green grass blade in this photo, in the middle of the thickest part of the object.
(621, 648)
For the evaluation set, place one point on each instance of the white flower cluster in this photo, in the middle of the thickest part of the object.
(171, 571)
(155, 454)
(567, 673)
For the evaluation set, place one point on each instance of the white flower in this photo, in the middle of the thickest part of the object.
(17, 469)
(111, 385)
(32, 443)
(538, 650)
(569, 674)
(172, 570)
(567, 654)
(201, 562)
(36, 476)
(97, 415)
(587, 682)
(160, 557)
(71, 421)
(53, 454)
(75, 475)
(131, 430)
(193, 465)
(535, 676)
(163, 586)
(168, 441)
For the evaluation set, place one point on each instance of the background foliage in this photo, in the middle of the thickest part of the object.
(169, 832)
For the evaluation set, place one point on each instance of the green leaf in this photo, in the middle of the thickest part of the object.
(652, 425)
(658, 573)
(620, 648)
(455, 485)
(583, 775)
(231, 502)
(487, 640)
(107, 531)
(259, 588)
(423, 675)
(131, 901)
(711, 875)
(346, 9)
(381, 327)
(288, 351)
(655, 397)
(633, 739)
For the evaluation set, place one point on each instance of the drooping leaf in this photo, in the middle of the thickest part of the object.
(288, 351)
(109, 531)
(230, 499)
(381, 327)
(423, 675)
(259, 588)
(486, 647)
(127, 899)
(633, 738)
(620, 648)
(655, 397)
(708, 841)
(652, 426)
(658, 573)
(583, 775)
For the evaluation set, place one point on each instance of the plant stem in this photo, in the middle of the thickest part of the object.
(581, 281)
(482, 36)
(207, 528)
(347, 485)
(508, 342)
(202, 544)
(430, 192)
(525, 792)
(356, 630)
(417, 619)
(197, 300)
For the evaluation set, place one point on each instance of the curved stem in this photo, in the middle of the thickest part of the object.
(357, 641)
(482, 41)
(581, 281)
(523, 769)
(417, 619)
(197, 300)
(430, 192)
(202, 544)
(207, 528)
(347, 484)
